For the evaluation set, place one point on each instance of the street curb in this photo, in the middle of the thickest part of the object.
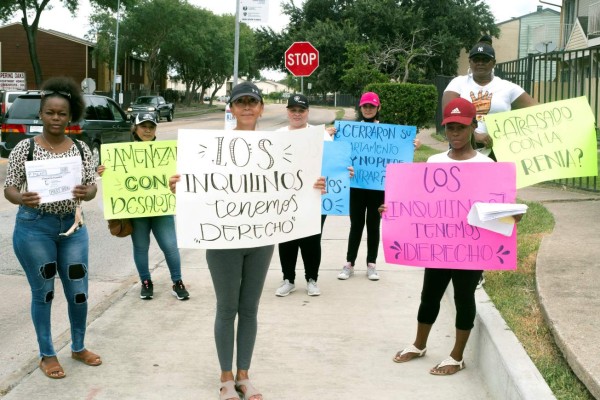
(505, 366)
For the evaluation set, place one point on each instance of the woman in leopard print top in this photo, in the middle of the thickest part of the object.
(39, 239)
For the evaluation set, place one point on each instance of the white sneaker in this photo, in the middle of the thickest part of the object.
(312, 288)
(372, 272)
(347, 271)
(285, 288)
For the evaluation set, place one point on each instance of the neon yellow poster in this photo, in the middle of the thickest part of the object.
(136, 180)
(555, 140)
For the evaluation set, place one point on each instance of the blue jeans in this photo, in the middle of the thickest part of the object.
(163, 228)
(42, 254)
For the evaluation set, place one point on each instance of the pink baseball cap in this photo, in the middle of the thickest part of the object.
(369, 98)
(459, 110)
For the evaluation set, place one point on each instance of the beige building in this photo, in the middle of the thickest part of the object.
(532, 33)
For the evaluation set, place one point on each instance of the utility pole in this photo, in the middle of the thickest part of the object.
(236, 48)
(114, 85)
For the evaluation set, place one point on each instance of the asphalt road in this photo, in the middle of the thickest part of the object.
(111, 262)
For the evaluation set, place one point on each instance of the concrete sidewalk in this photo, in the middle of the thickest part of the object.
(341, 343)
(337, 345)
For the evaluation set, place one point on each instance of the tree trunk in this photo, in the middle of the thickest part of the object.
(31, 32)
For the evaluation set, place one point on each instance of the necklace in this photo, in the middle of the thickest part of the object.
(47, 143)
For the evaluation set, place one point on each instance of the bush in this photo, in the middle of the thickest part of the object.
(406, 103)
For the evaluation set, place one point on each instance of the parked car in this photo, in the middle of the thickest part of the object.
(103, 122)
(223, 99)
(6, 99)
(151, 104)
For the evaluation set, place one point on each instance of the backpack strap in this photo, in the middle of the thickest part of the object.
(76, 141)
(78, 145)
(30, 152)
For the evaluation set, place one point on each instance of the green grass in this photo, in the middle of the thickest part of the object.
(514, 295)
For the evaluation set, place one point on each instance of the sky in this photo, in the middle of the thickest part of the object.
(60, 19)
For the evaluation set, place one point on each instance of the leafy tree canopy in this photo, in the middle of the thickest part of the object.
(416, 39)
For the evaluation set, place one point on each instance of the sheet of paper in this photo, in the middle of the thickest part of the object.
(495, 217)
(53, 179)
(490, 211)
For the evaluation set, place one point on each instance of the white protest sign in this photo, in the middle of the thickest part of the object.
(53, 179)
(242, 189)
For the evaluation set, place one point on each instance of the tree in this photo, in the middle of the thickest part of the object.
(35, 8)
(358, 69)
(416, 39)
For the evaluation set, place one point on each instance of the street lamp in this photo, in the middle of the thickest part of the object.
(114, 85)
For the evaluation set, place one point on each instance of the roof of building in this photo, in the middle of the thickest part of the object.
(56, 33)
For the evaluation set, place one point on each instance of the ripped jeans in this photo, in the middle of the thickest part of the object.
(42, 254)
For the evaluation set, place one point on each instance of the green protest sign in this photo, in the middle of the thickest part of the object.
(136, 180)
(555, 140)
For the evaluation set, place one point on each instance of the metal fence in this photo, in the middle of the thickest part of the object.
(553, 76)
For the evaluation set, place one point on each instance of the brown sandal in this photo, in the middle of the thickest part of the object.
(87, 357)
(52, 368)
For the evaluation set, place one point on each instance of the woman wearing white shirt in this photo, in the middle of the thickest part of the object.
(487, 92)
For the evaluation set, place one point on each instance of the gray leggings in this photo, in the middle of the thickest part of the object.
(238, 277)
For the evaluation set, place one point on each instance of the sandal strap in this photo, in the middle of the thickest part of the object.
(451, 362)
(250, 389)
(229, 392)
(413, 349)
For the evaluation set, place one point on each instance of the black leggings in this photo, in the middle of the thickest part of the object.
(435, 283)
(361, 201)
(310, 248)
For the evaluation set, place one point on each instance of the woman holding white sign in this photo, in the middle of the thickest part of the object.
(239, 275)
(50, 238)
(161, 226)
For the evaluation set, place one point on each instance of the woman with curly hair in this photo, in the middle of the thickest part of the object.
(50, 238)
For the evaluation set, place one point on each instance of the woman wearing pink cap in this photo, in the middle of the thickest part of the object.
(460, 123)
(364, 204)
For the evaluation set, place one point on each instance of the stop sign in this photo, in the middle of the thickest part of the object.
(301, 59)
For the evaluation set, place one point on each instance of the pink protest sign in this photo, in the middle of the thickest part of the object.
(425, 224)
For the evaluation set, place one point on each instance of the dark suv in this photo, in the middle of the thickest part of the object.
(103, 122)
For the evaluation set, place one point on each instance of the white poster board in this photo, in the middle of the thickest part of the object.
(242, 189)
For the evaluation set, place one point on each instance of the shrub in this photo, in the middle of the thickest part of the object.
(406, 103)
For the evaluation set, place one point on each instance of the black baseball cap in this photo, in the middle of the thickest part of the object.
(297, 100)
(245, 89)
(483, 49)
(145, 117)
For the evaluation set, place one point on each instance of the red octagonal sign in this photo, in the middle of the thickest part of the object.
(301, 59)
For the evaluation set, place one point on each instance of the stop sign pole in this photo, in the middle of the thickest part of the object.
(301, 59)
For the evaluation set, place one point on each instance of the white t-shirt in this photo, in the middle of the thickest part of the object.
(326, 136)
(443, 157)
(497, 96)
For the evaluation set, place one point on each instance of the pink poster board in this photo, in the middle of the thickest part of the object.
(425, 224)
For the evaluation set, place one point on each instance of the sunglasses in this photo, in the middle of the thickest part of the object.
(45, 93)
(483, 60)
(249, 101)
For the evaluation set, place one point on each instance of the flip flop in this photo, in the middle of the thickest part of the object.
(87, 357)
(446, 363)
(250, 392)
(412, 349)
(52, 368)
(229, 392)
